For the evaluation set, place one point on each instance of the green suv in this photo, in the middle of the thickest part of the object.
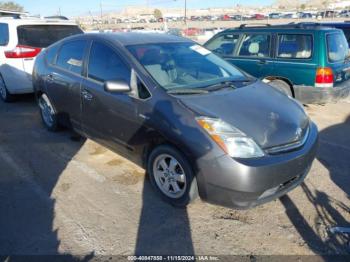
(308, 62)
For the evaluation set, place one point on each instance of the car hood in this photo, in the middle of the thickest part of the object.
(261, 112)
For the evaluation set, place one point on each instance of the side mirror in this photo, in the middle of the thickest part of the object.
(117, 86)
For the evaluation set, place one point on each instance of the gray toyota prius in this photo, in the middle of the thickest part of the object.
(197, 124)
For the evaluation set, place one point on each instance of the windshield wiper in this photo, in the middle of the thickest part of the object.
(187, 91)
(228, 84)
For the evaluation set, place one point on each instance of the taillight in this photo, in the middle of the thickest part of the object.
(324, 77)
(22, 51)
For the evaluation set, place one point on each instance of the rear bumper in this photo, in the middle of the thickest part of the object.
(243, 184)
(317, 95)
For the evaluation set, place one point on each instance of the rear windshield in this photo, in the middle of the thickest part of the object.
(44, 35)
(337, 47)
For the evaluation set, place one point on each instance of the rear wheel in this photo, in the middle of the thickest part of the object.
(48, 114)
(4, 93)
(172, 177)
(281, 86)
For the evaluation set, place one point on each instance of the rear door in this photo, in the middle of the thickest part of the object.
(337, 56)
(38, 36)
(254, 55)
(295, 56)
(64, 81)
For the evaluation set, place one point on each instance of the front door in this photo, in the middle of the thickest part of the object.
(108, 118)
(254, 55)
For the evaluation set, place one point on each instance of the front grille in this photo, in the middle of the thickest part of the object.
(290, 146)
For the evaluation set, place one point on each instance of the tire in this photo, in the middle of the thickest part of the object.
(48, 113)
(281, 86)
(4, 93)
(167, 167)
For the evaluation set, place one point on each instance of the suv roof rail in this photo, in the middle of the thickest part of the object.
(60, 17)
(252, 25)
(309, 24)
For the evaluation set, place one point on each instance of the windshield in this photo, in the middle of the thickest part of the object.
(184, 65)
(44, 35)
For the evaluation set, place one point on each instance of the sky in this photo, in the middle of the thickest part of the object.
(76, 7)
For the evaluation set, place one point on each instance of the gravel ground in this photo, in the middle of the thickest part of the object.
(63, 196)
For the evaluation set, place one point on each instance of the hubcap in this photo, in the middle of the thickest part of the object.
(46, 111)
(170, 176)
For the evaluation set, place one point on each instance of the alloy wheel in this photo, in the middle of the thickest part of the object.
(46, 111)
(169, 176)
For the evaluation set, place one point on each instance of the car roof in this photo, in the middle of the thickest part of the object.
(131, 38)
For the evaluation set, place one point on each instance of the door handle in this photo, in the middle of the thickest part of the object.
(50, 78)
(87, 95)
(262, 62)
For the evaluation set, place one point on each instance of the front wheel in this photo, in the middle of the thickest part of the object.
(172, 177)
(48, 114)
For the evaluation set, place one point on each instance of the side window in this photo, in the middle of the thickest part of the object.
(255, 45)
(4, 34)
(105, 64)
(294, 46)
(70, 56)
(224, 44)
(51, 54)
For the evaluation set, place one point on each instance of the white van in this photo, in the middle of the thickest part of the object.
(21, 40)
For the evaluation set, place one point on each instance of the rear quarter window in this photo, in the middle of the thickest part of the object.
(337, 47)
(44, 35)
(51, 54)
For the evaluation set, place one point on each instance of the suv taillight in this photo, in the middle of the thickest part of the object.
(22, 51)
(324, 77)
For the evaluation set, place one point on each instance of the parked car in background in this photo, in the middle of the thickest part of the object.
(306, 61)
(259, 17)
(274, 15)
(21, 40)
(191, 31)
(181, 112)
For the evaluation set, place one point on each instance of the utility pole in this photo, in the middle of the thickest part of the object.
(101, 12)
(185, 12)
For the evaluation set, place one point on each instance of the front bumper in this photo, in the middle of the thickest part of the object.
(247, 183)
(319, 95)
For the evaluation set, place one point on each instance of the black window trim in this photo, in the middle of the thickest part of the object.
(298, 59)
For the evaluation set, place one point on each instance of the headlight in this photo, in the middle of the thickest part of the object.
(234, 142)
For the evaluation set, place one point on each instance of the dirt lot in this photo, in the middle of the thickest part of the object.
(62, 196)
